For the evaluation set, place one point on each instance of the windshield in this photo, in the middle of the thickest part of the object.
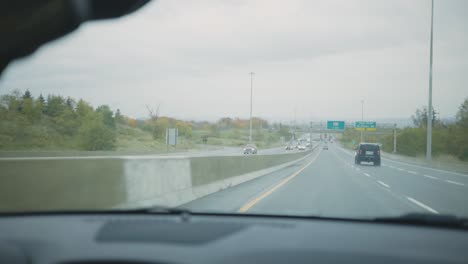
(368, 147)
(227, 106)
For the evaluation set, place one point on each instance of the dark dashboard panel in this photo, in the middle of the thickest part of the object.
(169, 232)
(110, 238)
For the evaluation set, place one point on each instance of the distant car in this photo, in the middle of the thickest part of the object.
(325, 147)
(289, 147)
(301, 147)
(250, 149)
(368, 152)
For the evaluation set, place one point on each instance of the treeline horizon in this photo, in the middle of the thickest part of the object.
(450, 138)
(58, 122)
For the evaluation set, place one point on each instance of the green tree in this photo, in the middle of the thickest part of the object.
(83, 109)
(27, 95)
(462, 114)
(67, 122)
(38, 108)
(70, 103)
(159, 128)
(41, 99)
(27, 108)
(185, 129)
(420, 117)
(119, 118)
(107, 115)
(459, 133)
(12, 102)
(55, 105)
(95, 135)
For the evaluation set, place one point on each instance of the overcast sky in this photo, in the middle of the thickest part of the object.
(318, 58)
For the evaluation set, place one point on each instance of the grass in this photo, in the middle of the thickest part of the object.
(134, 141)
(237, 138)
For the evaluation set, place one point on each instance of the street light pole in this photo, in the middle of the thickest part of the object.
(294, 133)
(362, 118)
(251, 95)
(429, 111)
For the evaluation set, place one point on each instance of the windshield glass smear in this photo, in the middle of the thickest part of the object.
(305, 108)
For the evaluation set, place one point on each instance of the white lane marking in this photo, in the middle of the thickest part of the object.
(412, 172)
(409, 164)
(422, 167)
(383, 184)
(367, 174)
(454, 182)
(349, 153)
(430, 177)
(421, 205)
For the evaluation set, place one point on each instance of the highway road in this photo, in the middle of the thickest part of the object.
(205, 151)
(221, 151)
(328, 183)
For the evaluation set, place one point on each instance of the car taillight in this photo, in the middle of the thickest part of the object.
(378, 152)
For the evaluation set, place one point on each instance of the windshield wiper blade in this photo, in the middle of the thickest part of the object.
(156, 210)
(144, 210)
(444, 220)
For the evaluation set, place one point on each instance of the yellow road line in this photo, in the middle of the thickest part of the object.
(253, 202)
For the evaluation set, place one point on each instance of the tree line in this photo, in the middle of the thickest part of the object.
(448, 137)
(55, 122)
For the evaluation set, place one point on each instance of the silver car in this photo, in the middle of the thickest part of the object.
(250, 149)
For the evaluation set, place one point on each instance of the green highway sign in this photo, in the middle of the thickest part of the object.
(366, 126)
(336, 125)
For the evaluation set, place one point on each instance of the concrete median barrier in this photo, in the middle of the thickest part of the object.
(42, 184)
(205, 170)
(124, 182)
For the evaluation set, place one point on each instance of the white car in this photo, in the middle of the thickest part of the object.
(250, 149)
(301, 147)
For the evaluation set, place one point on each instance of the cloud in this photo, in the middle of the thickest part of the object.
(319, 57)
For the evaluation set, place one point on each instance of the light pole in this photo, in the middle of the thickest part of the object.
(429, 111)
(362, 118)
(294, 133)
(251, 95)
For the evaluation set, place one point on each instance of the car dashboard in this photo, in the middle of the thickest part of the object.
(210, 238)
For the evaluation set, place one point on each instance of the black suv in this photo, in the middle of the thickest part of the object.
(368, 152)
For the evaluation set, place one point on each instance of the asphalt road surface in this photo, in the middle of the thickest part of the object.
(328, 183)
(221, 151)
